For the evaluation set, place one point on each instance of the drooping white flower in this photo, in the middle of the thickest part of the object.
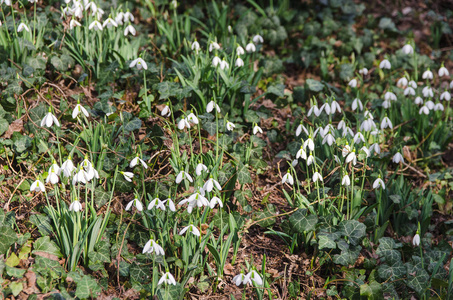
(67, 167)
(139, 63)
(75, 206)
(438, 106)
(429, 104)
(138, 205)
(128, 175)
(210, 183)
(427, 92)
(376, 148)
(390, 96)
(334, 106)
(156, 202)
(412, 84)
(301, 153)
(258, 39)
(253, 276)
(409, 91)
(211, 105)
(359, 137)
(314, 109)
(119, 18)
(240, 50)
(288, 178)
(52, 176)
(224, 65)
(136, 160)
(79, 109)
(346, 150)
(213, 45)
(128, 17)
(357, 104)
(129, 29)
(167, 278)
(346, 181)
(230, 126)
(367, 152)
(216, 61)
(329, 138)
(239, 62)
(427, 74)
(386, 123)
(445, 96)
(192, 118)
(166, 112)
(80, 176)
(171, 204)
(183, 175)
(402, 82)
(407, 49)
(385, 64)
(22, 26)
(397, 158)
(200, 168)
(418, 100)
(310, 159)
(353, 83)
(151, 246)
(37, 186)
(416, 240)
(215, 200)
(250, 48)
(317, 176)
(195, 200)
(300, 128)
(363, 71)
(378, 183)
(183, 123)
(195, 46)
(239, 279)
(351, 157)
(310, 144)
(443, 72)
(423, 110)
(257, 129)
(96, 25)
(74, 23)
(191, 229)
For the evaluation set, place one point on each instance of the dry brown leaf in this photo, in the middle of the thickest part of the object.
(15, 126)
(46, 255)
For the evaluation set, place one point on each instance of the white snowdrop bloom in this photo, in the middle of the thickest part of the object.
(359, 137)
(311, 145)
(195, 200)
(407, 49)
(351, 157)
(429, 104)
(216, 61)
(230, 126)
(67, 11)
(171, 204)
(183, 175)
(183, 123)
(397, 158)
(326, 107)
(258, 39)
(346, 150)
(73, 23)
(75, 206)
(211, 105)
(353, 83)
(337, 160)
(357, 104)
(347, 131)
(334, 106)
(294, 162)
(156, 202)
(341, 124)
(316, 177)
(253, 276)
(79, 109)
(416, 240)
(91, 5)
(300, 128)
(136, 160)
(230, 29)
(329, 127)
(409, 91)
(390, 96)
(138, 205)
(191, 229)
(288, 178)
(329, 139)
(77, 11)
(367, 152)
(378, 183)
(314, 109)
(368, 115)
(445, 96)
(7, 2)
(167, 278)
(192, 118)
(215, 200)
(385, 64)
(239, 279)
(438, 106)
(195, 46)
(151, 246)
(224, 65)
(418, 100)
(52, 176)
(119, 18)
(301, 153)
(128, 176)
(139, 63)
(443, 72)
(376, 148)
(128, 17)
(129, 29)
(210, 184)
(423, 110)
(250, 48)
(310, 159)
(386, 104)
(80, 176)
(37, 186)
(257, 129)
(49, 119)
(346, 181)
(363, 71)
(367, 125)
(240, 50)
(412, 84)
(386, 123)
(166, 112)
(427, 92)
(95, 25)
(427, 74)
(402, 82)
(213, 45)
(200, 168)
(239, 62)
(22, 26)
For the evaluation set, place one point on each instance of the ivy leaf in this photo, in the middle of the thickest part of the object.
(167, 89)
(347, 257)
(86, 287)
(301, 222)
(372, 291)
(101, 196)
(391, 272)
(210, 127)
(386, 251)
(101, 253)
(133, 124)
(277, 90)
(7, 238)
(16, 288)
(139, 273)
(43, 224)
(170, 292)
(268, 213)
(353, 230)
(417, 278)
(15, 272)
(326, 242)
(243, 174)
(314, 85)
(44, 244)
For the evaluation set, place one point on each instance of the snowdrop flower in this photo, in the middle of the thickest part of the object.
(53, 175)
(215, 200)
(326, 107)
(367, 152)
(139, 63)
(316, 177)
(183, 175)
(73, 23)
(37, 186)
(423, 110)
(195, 46)
(402, 82)
(209, 185)
(386, 104)
(397, 158)
(300, 128)
(288, 178)
(309, 142)
(130, 29)
(128, 17)
(258, 39)
(49, 119)
(195, 200)
(347, 131)
(166, 111)
(378, 183)
(407, 49)
(224, 65)
(128, 176)
(443, 71)
(418, 100)
(119, 18)
(334, 106)
(200, 168)
(352, 157)
(192, 229)
(376, 148)
(427, 92)
(240, 50)
(257, 129)
(167, 278)
(22, 26)
(171, 204)
(386, 123)
(412, 84)
(253, 276)
(96, 25)
(79, 109)
(409, 91)
(192, 118)
(301, 153)
(359, 137)
(353, 83)
(230, 126)
(183, 123)
(346, 150)
(427, 74)
(75, 206)
(385, 64)
(151, 246)
(430, 105)
(138, 205)
(438, 106)
(136, 160)
(156, 202)
(363, 71)
(211, 105)
(315, 109)
(390, 96)
(416, 240)
(238, 279)
(239, 62)
(80, 176)
(216, 61)
(91, 5)
(445, 96)
(7, 2)
(310, 159)
(357, 104)
(346, 181)
(213, 45)
(78, 10)
(230, 29)
(250, 48)
(329, 139)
